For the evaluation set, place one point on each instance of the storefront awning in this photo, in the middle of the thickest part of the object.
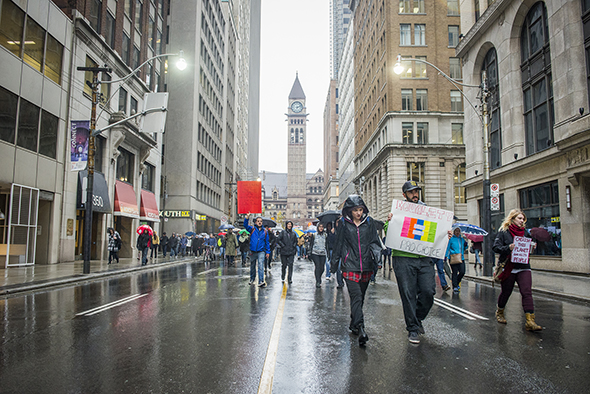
(100, 192)
(149, 208)
(125, 201)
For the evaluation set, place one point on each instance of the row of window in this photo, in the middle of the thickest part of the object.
(417, 69)
(297, 136)
(207, 195)
(315, 190)
(26, 39)
(206, 58)
(208, 169)
(416, 172)
(296, 121)
(207, 141)
(209, 116)
(405, 35)
(417, 7)
(422, 100)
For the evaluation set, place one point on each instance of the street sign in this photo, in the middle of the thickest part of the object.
(495, 203)
(223, 219)
(495, 190)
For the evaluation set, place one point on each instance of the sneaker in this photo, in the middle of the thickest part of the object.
(447, 288)
(251, 282)
(283, 280)
(263, 284)
(456, 290)
(413, 337)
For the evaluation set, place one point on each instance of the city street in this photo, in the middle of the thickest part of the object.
(200, 328)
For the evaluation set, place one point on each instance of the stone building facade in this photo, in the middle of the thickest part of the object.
(536, 58)
(331, 109)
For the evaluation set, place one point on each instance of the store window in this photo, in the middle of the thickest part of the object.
(125, 164)
(28, 125)
(12, 22)
(8, 105)
(541, 206)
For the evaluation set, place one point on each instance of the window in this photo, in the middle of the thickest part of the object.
(419, 7)
(133, 106)
(147, 178)
(136, 57)
(420, 67)
(490, 66)
(105, 90)
(95, 15)
(405, 37)
(123, 100)
(126, 48)
(452, 7)
(541, 206)
(125, 163)
(457, 133)
(48, 134)
(419, 34)
(415, 172)
(34, 44)
(98, 153)
(477, 12)
(405, 6)
(456, 103)
(9, 102)
(408, 67)
(460, 176)
(151, 24)
(128, 7)
(28, 125)
(455, 68)
(421, 99)
(406, 99)
(453, 36)
(159, 42)
(138, 15)
(407, 133)
(12, 24)
(422, 133)
(537, 85)
(109, 33)
(53, 59)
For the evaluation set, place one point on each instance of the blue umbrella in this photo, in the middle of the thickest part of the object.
(226, 227)
(189, 233)
(472, 229)
(310, 231)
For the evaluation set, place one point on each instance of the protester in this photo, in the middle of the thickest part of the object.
(172, 245)
(477, 248)
(455, 255)
(142, 245)
(330, 247)
(414, 275)
(287, 241)
(259, 249)
(273, 242)
(183, 245)
(358, 247)
(231, 247)
(189, 245)
(514, 226)
(318, 246)
(155, 245)
(114, 244)
(338, 263)
(221, 246)
(300, 247)
(244, 240)
(197, 245)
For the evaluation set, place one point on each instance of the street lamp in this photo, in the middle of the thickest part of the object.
(488, 254)
(91, 142)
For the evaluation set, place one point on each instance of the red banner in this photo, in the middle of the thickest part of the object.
(249, 197)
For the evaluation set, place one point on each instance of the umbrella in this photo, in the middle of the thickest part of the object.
(329, 216)
(242, 231)
(221, 233)
(243, 236)
(474, 238)
(312, 228)
(467, 228)
(310, 231)
(298, 232)
(226, 226)
(541, 234)
(190, 233)
(145, 227)
(268, 222)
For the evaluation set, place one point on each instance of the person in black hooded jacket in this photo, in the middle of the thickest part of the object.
(358, 248)
(287, 241)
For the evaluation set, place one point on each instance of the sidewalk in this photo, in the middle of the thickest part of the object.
(24, 279)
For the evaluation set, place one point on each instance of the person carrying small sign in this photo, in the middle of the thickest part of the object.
(514, 249)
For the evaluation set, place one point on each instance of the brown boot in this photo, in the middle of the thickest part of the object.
(500, 315)
(530, 324)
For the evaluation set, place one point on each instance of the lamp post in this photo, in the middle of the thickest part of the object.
(488, 254)
(181, 64)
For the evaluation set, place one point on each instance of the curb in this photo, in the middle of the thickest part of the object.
(85, 278)
(563, 296)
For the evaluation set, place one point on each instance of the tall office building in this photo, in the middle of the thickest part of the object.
(254, 89)
(340, 21)
(330, 197)
(408, 126)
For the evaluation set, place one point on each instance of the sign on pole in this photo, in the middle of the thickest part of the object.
(495, 203)
(495, 190)
(521, 251)
(419, 229)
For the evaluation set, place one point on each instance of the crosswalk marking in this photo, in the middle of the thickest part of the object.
(459, 311)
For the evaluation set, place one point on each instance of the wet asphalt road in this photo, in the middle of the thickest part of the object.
(200, 328)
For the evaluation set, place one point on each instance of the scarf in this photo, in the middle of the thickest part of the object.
(515, 231)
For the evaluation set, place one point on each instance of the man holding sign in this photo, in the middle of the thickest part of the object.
(417, 234)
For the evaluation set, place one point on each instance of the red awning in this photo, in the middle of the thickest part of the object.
(149, 208)
(125, 200)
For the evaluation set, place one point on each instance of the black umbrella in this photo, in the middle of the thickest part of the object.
(268, 222)
(329, 216)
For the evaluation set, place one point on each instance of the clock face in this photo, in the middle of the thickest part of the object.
(297, 106)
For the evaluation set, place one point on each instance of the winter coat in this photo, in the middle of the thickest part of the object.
(173, 242)
(259, 239)
(312, 241)
(155, 240)
(231, 244)
(164, 241)
(502, 246)
(358, 248)
(114, 242)
(245, 245)
(143, 240)
(287, 240)
(331, 239)
(272, 239)
(456, 245)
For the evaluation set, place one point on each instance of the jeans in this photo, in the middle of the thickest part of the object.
(320, 262)
(356, 292)
(244, 257)
(328, 260)
(477, 260)
(440, 268)
(183, 250)
(154, 251)
(113, 255)
(458, 272)
(144, 255)
(287, 262)
(164, 250)
(221, 252)
(416, 284)
(525, 283)
(172, 252)
(257, 258)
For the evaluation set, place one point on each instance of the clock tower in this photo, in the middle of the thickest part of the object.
(296, 156)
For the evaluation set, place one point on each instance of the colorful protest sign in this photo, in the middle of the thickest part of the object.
(419, 229)
(249, 197)
(79, 132)
(521, 251)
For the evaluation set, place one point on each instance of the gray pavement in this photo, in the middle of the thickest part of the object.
(16, 280)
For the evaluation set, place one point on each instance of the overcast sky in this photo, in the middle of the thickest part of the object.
(295, 37)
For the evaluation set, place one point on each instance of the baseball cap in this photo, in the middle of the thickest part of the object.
(410, 185)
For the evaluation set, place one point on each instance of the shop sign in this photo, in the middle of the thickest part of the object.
(556, 219)
(176, 214)
(200, 217)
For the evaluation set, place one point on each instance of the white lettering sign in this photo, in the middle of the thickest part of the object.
(419, 229)
(521, 251)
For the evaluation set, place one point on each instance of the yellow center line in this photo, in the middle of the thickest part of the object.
(268, 371)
